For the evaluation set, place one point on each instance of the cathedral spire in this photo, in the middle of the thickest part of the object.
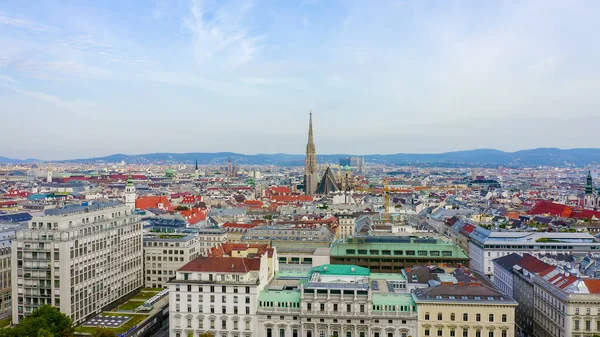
(310, 131)
(310, 165)
(196, 165)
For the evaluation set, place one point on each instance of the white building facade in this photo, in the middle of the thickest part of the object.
(219, 294)
(164, 254)
(78, 258)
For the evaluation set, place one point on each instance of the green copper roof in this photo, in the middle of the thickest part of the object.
(413, 250)
(271, 298)
(405, 300)
(339, 269)
(589, 186)
(347, 168)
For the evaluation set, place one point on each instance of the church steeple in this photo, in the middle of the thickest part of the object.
(196, 164)
(589, 186)
(310, 165)
(310, 131)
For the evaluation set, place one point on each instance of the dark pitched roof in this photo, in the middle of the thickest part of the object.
(328, 183)
(508, 261)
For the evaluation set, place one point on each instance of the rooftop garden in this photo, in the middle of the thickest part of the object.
(546, 240)
(135, 320)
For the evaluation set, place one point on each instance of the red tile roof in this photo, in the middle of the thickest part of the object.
(222, 264)
(593, 285)
(253, 204)
(151, 202)
(225, 249)
(548, 207)
(194, 215)
(533, 264)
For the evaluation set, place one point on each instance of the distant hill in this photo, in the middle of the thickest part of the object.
(479, 157)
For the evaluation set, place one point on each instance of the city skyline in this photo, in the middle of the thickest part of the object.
(88, 80)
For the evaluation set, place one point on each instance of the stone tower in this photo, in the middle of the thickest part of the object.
(310, 164)
(130, 195)
(590, 200)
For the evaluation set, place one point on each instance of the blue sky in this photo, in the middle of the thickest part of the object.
(92, 78)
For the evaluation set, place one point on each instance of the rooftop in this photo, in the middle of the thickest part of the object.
(462, 293)
(276, 296)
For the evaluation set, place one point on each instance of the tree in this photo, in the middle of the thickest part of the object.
(46, 321)
(103, 332)
(182, 208)
(206, 334)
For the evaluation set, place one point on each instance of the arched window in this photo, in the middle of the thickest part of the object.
(426, 316)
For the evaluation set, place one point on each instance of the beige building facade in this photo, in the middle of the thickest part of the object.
(164, 254)
(464, 311)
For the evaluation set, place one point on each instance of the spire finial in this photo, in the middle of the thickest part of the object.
(310, 129)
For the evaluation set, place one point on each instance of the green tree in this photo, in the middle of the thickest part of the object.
(46, 321)
(182, 208)
(206, 334)
(103, 332)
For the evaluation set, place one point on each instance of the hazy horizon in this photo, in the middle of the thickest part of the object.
(89, 79)
(279, 153)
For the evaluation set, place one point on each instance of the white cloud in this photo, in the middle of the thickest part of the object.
(7, 78)
(15, 22)
(191, 80)
(72, 105)
(222, 38)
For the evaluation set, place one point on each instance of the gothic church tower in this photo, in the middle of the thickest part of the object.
(310, 165)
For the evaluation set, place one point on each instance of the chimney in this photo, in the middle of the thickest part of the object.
(460, 284)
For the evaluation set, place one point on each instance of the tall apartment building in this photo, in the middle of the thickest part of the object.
(164, 253)
(78, 258)
(338, 300)
(7, 233)
(219, 293)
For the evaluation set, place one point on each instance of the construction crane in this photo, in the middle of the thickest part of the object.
(386, 200)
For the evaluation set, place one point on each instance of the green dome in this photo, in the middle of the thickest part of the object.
(347, 168)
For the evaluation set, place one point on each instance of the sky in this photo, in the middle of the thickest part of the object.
(81, 79)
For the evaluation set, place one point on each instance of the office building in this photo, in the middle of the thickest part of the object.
(392, 254)
(485, 245)
(164, 253)
(79, 258)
